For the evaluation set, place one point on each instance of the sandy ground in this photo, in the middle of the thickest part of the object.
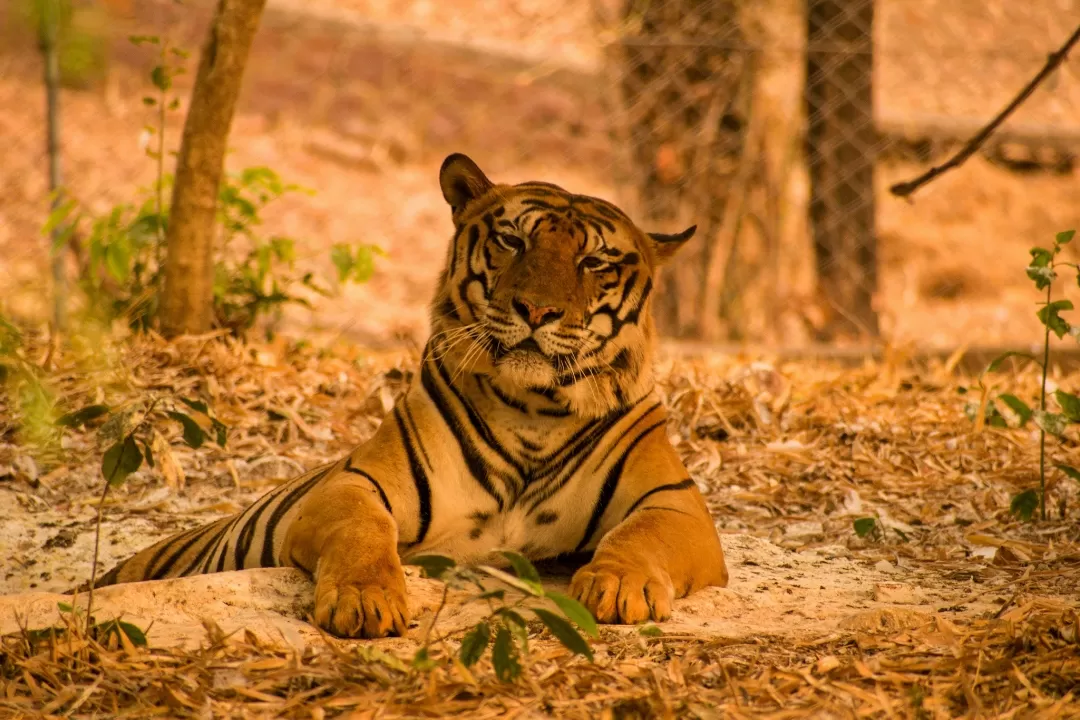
(788, 455)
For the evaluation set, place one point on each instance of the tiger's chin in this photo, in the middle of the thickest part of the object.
(525, 368)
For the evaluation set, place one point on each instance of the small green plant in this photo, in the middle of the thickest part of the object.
(110, 633)
(1042, 270)
(505, 629)
(122, 251)
(131, 436)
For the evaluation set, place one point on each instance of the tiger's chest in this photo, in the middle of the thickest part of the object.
(469, 525)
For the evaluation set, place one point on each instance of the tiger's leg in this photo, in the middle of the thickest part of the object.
(662, 543)
(347, 540)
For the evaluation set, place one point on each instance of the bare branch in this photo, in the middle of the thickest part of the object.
(904, 189)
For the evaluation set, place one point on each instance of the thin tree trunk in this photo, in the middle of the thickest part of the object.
(47, 37)
(681, 83)
(187, 302)
(840, 153)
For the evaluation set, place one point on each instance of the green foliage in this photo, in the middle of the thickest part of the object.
(355, 264)
(1025, 504)
(474, 644)
(504, 622)
(106, 632)
(1018, 406)
(128, 431)
(1069, 470)
(77, 32)
(865, 526)
(122, 251)
(11, 338)
(1042, 270)
(121, 459)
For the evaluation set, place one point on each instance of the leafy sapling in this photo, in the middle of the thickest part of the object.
(132, 437)
(505, 629)
(1043, 271)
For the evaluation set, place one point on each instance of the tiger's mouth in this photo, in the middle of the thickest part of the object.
(529, 344)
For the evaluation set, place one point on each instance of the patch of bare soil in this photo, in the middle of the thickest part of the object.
(949, 605)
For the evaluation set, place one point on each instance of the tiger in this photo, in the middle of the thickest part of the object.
(533, 425)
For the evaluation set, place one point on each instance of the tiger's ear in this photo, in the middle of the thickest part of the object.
(462, 180)
(665, 246)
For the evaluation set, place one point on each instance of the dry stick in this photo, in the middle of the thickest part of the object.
(904, 189)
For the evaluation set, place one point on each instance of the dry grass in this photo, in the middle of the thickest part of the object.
(1024, 662)
(790, 451)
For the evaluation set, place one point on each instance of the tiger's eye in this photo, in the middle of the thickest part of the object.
(510, 242)
(592, 263)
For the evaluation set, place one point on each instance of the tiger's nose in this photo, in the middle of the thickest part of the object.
(535, 315)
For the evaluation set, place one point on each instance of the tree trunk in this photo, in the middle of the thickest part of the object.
(50, 19)
(682, 116)
(840, 152)
(187, 302)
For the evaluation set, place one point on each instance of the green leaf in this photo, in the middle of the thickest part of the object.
(118, 260)
(196, 405)
(565, 632)
(518, 627)
(1070, 404)
(577, 612)
(1041, 257)
(161, 78)
(650, 631)
(1069, 470)
(1025, 504)
(1064, 237)
(1018, 406)
(82, 416)
(64, 607)
(1050, 422)
(193, 434)
(111, 627)
(529, 588)
(342, 258)
(434, 566)
(120, 460)
(504, 657)
(1049, 316)
(865, 526)
(221, 432)
(1042, 276)
(148, 453)
(142, 39)
(996, 362)
(524, 569)
(474, 643)
(422, 660)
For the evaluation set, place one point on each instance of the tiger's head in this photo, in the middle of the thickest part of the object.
(547, 291)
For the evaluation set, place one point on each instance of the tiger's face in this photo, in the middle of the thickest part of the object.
(547, 290)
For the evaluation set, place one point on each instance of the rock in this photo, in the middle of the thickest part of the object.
(885, 620)
(270, 602)
(884, 566)
(895, 593)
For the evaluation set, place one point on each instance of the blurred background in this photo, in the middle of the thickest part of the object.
(776, 126)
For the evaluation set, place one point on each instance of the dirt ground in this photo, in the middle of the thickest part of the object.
(788, 454)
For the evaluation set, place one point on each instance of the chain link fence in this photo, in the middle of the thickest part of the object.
(775, 126)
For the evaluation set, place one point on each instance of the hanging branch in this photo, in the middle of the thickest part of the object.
(904, 189)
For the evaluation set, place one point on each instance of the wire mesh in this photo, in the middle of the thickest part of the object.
(775, 126)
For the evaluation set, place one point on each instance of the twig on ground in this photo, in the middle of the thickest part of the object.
(905, 189)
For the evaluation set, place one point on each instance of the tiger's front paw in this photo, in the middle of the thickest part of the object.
(617, 592)
(371, 607)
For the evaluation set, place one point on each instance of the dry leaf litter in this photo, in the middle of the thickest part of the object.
(949, 607)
